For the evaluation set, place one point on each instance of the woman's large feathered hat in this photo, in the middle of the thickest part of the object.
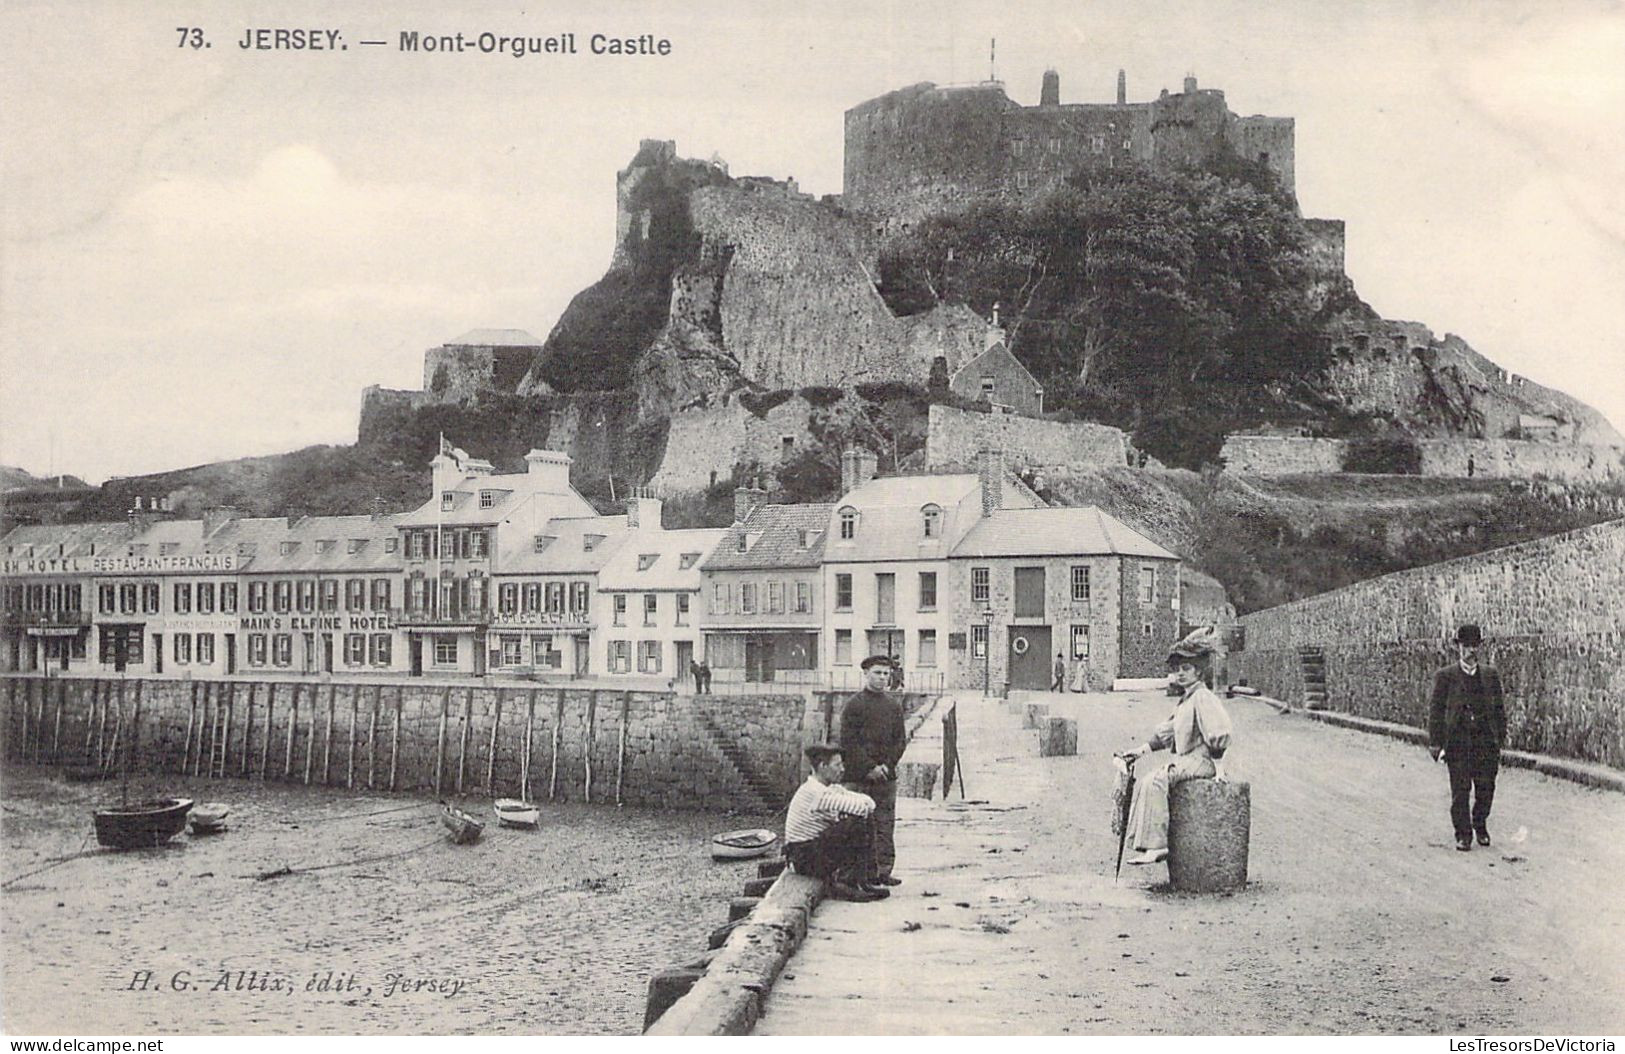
(1198, 644)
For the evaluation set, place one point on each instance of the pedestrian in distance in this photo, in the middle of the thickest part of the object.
(1059, 682)
(826, 830)
(1198, 733)
(694, 672)
(705, 678)
(1467, 727)
(896, 673)
(872, 742)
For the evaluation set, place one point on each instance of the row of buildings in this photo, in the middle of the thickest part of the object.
(966, 578)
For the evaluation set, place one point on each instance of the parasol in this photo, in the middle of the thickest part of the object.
(1122, 798)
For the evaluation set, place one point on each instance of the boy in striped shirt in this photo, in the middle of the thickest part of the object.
(826, 832)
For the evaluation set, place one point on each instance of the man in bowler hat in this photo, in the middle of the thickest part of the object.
(1467, 724)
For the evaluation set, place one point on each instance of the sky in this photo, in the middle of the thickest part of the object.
(208, 253)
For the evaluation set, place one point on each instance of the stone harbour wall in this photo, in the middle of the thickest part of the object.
(1549, 609)
(1450, 458)
(692, 752)
(955, 437)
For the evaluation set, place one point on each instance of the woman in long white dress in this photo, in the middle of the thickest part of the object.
(1198, 733)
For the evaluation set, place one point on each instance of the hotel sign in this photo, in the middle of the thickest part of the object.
(521, 619)
(207, 563)
(328, 623)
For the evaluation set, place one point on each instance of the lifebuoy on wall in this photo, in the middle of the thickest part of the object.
(1019, 645)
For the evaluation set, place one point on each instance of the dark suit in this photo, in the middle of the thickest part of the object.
(872, 733)
(1467, 720)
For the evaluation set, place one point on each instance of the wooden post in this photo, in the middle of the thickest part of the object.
(327, 739)
(491, 753)
(553, 776)
(355, 707)
(592, 718)
(524, 762)
(225, 735)
(56, 729)
(202, 710)
(395, 738)
(101, 727)
(440, 739)
(28, 714)
(620, 752)
(118, 725)
(90, 718)
(462, 736)
(265, 750)
(131, 751)
(372, 736)
(293, 724)
(310, 737)
(248, 728)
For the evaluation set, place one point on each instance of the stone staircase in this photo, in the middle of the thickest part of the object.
(761, 792)
(1312, 662)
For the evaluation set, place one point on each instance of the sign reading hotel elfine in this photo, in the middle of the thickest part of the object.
(207, 563)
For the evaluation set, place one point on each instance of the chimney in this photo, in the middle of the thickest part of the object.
(990, 470)
(217, 517)
(745, 501)
(857, 468)
(1122, 88)
(1050, 93)
(643, 512)
(549, 470)
(1190, 84)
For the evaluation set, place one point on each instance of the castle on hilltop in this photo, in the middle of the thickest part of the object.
(925, 149)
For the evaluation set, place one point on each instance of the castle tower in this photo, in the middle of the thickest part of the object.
(1122, 88)
(1050, 93)
(1190, 84)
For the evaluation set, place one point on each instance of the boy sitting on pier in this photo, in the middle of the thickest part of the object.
(827, 833)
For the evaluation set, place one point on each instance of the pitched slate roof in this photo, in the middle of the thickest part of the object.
(1082, 530)
(890, 523)
(267, 535)
(565, 554)
(76, 539)
(508, 493)
(628, 569)
(774, 539)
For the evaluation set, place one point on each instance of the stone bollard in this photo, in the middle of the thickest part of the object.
(1037, 714)
(770, 868)
(917, 779)
(1059, 738)
(719, 936)
(1208, 828)
(665, 988)
(739, 907)
(758, 887)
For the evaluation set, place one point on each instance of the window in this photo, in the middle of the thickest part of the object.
(354, 545)
(978, 641)
(979, 591)
(849, 524)
(1029, 590)
(445, 650)
(307, 595)
(989, 387)
(578, 597)
(488, 499)
(1080, 583)
(168, 548)
(543, 655)
(931, 521)
(324, 545)
(1080, 642)
(775, 597)
(647, 560)
(378, 647)
(747, 598)
(149, 597)
(392, 545)
(513, 653)
(355, 594)
(355, 649)
(719, 598)
(744, 541)
(205, 649)
(620, 656)
(682, 609)
(928, 590)
(183, 648)
(803, 536)
(183, 599)
(256, 598)
(107, 599)
(843, 647)
(205, 598)
(533, 596)
(803, 597)
(282, 649)
(589, 542)
(540, 543)
(479, 596)
(555, 597)
(928, 647)
(126, 598)
(288, 548)
(651, 608)
(417, 545)
(843, 592)
(619, 605)
(256, 649)
(687, 560)
(1148, 583)
(228, 598)
(508, 598)
(447, 500)
(417, 594)
(479, 544)
(648, 656)
(330, 594)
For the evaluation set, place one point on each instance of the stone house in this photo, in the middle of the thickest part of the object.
(650, 588)
(997, 377)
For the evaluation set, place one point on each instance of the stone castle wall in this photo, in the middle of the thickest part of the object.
(1549, 609)
(955, 437)
(459, 372)
(395, 736)
(1450, 458)
(1281, 455)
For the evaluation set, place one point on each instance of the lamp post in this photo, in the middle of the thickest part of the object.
(987, 646)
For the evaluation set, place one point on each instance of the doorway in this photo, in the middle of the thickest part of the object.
(1030, 657)
(231, 654)
(685, 656)
(582, 656)
(415, 646)
(759, 659)
(157, 653)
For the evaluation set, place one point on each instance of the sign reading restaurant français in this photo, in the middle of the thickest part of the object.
(205, 563)
(335, 623)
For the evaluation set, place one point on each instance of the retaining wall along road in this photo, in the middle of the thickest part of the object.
(643, 748)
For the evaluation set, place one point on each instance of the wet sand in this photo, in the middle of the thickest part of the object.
(550, 931)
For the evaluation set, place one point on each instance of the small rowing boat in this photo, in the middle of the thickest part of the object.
(143, 825)
(511, 812)
(209, 817)
(742, 845)
(463, 827)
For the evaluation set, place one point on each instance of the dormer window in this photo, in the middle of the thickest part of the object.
(589, 542)
(168, 548)
(355, 545)
(541, 542)
(447, 499)
(849, 523)
(392, 544)
(744, 542)
(324, 545)
(931, 521)
(138, 549)
(288, 548)
(989, 387)
(687, 560)
(803, 536)
(647, 560)
(245, 548)
(488, 498)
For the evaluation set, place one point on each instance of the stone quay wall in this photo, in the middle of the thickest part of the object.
(955, 437)
(1550, 612)
(1463, 458)
(442, 738)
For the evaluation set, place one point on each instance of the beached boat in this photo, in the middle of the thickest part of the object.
(463, 827)
(742, 845)
(209, 817)
(142, 825)
(511, 812)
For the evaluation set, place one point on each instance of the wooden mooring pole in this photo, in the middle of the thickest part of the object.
(530, 728)
(491, 752)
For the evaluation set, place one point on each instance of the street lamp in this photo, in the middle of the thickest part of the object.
(987, 646)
